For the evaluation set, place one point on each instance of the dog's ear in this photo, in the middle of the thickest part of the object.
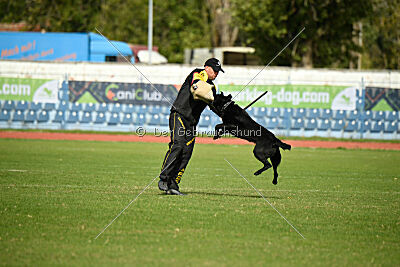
(222, 93)
(229, 96)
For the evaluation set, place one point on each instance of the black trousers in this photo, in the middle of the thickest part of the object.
(180, 150)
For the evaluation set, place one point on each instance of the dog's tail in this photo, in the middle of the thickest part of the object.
(283, 145)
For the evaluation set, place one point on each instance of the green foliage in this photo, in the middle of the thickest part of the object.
(330, 38)
(327, 40)
(382, 36)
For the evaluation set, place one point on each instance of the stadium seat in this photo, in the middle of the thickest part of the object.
(49, 106)
(164, 120)
(207, 112)
(326, 114)
(100, 118)
(274, 112)
(324, 125)
(297, 124)
(378, 115)
(140, 119)
(287, 113)
(89, 107)
(312, 113)
(367, 115)
(116, 108)
(260, 112)
(351, 126)
(21, 105)
(365, 126)
(5, 115)
(9, 105)
(114, 119)
(129, 109)
(311, 124)
(205, 121)
(284, 124)
(31, 116)
(377, 127)
(35, 106)
(353, 115)
(338, 125)
(299, 113)
(101, 108)
(339, 115)
(391, 116)
(76, 107)
(60, 116)
(64, 95)
(155, 109)
(73, 117)
(143, 109)
(18, 116)
(155, 120)
(391, 127)
(272, 123)
(43, 116)
(127, 119)
(63, 105)
(166, 110)
(86, 117)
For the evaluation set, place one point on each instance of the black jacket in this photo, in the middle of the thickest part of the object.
(185, 104)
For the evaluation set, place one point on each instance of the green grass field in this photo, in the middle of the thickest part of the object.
(56, 197)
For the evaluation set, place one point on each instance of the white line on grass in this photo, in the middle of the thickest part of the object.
(133, 200)
(265, 199)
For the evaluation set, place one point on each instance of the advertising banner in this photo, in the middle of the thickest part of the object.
(295, 96)
(382, 99)
(44, 46)
(123, 93)
(34, 90)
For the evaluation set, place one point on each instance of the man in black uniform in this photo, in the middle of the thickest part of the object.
(184, 117)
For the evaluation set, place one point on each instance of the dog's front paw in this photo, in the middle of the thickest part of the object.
(257, 172)
(275, 181)
(216, 137)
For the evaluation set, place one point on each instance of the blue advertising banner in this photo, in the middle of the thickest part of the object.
(123, 93)
(44, 46)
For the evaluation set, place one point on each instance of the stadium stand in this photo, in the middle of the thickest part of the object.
(127, 119)
(114, 119)
(43, 116)
(73, 117)
(36, 106)
(9, 105)
(18, 116)
(21, 105)
(86, 117)
(31, 116)
(313, 113)
(5, 115)
(75, 107)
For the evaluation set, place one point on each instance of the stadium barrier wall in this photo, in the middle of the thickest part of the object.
(367, 102)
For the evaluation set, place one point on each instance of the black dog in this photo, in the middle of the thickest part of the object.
(237, 122)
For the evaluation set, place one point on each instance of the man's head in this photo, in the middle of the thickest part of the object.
(212, 67)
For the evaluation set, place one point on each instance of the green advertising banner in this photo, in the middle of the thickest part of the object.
(34, 90)
(295, 96)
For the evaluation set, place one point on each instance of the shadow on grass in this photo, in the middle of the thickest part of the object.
(225, 195)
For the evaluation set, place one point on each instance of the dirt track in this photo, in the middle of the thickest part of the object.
(199, 140)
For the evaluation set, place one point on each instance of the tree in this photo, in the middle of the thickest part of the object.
(381, 36)
(327, 41)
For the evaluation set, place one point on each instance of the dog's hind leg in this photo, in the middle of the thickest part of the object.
(275, 160)
(262, 156)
